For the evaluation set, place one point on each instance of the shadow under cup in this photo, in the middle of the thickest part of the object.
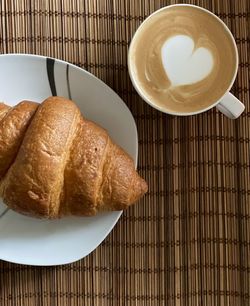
(182, 60)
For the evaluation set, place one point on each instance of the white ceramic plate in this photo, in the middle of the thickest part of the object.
(43, 242)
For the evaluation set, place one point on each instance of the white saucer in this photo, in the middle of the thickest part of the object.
(43, 242)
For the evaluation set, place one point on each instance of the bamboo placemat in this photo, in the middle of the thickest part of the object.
(188, 241)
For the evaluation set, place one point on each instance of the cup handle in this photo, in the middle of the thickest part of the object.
(231, 106)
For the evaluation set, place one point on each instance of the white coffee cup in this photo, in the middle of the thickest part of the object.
(228, 104)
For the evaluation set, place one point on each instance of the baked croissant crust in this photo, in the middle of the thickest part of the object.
(53, 162)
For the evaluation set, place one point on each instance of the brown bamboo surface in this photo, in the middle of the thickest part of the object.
(188, 241)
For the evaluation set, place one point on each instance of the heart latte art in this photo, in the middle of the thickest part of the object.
(182, 59)
(183, 63)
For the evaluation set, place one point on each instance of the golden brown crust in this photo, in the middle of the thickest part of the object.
(122, 185)
(83, 173)
(63, 164)
(34, 182)
(13, 126)
(3, 110)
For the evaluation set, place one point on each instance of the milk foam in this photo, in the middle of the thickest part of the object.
(183, 63)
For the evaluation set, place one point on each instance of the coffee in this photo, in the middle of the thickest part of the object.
(182, 59)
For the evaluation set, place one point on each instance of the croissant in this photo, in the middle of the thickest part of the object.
(53, 162)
